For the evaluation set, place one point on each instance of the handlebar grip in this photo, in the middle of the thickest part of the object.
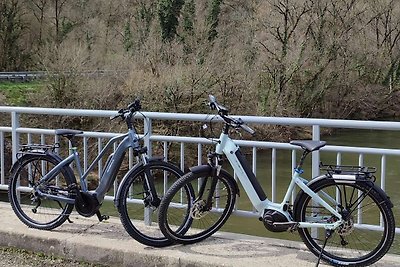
(247, 129)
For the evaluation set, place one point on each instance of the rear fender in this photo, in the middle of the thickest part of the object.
(380, 191)
(67, 169)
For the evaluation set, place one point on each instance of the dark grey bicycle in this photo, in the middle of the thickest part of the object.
(43, 188)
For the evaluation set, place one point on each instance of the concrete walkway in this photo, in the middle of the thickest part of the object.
(108, 243)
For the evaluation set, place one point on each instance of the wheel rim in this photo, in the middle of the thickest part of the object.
(351, 242)
(141, 215)
(37, 210)
(204, 221)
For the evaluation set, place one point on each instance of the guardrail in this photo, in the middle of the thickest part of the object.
(21, 76)
(25, 76)
(17, 131)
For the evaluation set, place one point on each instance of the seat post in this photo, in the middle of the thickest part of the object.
(303, 156)
(73, 142)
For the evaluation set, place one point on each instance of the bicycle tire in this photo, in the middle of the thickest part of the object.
(30, 208)
(170, 221)
(132, 214)
(349, 244)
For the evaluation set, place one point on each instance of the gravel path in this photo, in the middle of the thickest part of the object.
(13, 257)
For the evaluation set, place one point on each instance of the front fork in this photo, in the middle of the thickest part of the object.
(215, 161)
(152, 198)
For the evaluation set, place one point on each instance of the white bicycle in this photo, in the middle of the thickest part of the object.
(342, 216)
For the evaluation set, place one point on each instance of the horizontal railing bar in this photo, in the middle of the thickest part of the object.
(331, 123)
(277, 145)
(202, 140)
(6, 129)
(53, 132)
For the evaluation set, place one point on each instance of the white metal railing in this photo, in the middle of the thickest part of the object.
(17, 131)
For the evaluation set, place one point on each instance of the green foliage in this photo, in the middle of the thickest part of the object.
(188, 14)
(66, 27)
(128, 39)
(144, 16)
(213, 18)
(11, 29)
(17, 94)
(168, 14)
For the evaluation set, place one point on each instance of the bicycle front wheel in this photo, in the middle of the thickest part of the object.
(32, 209)
(138, 214)
(206, 220)
(367, 232)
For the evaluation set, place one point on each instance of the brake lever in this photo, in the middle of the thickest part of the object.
(120, 114)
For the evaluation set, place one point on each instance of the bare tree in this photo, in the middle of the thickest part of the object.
(39, 8)
(58, 6)
(385, 23)
(284, 28)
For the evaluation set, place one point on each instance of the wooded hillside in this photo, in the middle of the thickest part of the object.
(305, 58)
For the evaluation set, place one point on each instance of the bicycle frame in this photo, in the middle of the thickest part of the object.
(257, 195)
(129, 140)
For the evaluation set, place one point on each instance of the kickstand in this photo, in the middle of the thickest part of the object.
(68, 219)
(102, 217)
(328, 234)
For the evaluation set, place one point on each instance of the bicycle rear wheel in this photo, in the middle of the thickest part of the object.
(138, 215)
(33, 210)
(353, 243)
(206, 221)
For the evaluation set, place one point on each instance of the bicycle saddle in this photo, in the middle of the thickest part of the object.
(68, 133)
(308, 144)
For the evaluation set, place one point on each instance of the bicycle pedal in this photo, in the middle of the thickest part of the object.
(102, 217)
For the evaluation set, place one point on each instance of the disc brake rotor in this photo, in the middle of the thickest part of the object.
(198, 210)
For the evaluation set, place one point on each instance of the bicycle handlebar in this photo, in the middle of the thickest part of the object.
(223, 112)
(127, 113)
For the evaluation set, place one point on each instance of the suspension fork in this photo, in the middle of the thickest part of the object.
(214, 179)
(150, 183)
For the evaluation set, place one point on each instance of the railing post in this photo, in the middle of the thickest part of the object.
(383, 182)
(14, 135)
(2, 155)
(147, 133)
(315, 167)
(273, 174)
(315, 155)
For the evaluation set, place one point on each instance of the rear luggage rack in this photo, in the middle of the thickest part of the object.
(38, 148)
(347, 169)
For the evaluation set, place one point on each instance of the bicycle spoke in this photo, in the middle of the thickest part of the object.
(349, 243)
